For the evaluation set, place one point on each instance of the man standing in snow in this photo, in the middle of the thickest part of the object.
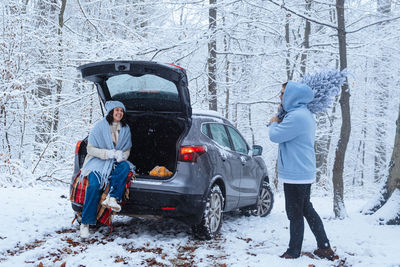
(295, 134)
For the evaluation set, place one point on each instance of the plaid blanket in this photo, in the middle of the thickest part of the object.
(104, 215)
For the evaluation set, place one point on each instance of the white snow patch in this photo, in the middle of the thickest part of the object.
(390, 209)
(36, 227)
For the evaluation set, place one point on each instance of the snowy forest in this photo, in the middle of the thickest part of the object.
(237, 54)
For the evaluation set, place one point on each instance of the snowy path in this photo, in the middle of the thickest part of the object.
(36, 228)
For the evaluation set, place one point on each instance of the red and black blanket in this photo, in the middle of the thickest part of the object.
(104, 215)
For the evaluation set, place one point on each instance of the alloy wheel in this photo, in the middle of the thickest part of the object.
(214, 215)
(264, 202)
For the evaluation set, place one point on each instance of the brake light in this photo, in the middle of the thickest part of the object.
(191, 153)
(78, 145)
(168, 208)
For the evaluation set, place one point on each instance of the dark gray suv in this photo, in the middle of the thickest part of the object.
(214, 169)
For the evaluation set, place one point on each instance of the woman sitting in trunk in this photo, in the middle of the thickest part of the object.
(106, 162)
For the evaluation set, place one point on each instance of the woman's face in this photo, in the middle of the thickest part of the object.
(118, 114)
(281, 95)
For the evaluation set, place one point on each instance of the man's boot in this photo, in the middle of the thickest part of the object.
(326, 253)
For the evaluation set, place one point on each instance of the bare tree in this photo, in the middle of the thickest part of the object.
(306, 43)
(337, 176)
(45, 16)
(381, 79)
(212, 55)
(392, 183)
(59, 67)
(227, 73)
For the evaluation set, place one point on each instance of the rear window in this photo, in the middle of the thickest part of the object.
(127, 87)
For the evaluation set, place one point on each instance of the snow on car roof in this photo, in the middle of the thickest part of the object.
(207, 113)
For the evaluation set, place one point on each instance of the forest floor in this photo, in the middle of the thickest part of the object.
(36, 230)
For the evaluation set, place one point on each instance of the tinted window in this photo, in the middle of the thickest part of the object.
(219, 135)
(237, 140)
(204, 130)
(142, 87)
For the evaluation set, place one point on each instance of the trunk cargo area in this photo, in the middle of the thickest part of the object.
(155, 142)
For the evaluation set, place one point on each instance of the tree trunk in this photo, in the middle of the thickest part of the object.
(391, 191)
(212, 55)
(306, 44)
(393, 180)
(287, 38)
(321, 147)
(44, 84)
(381, 78)
(337, 176)
(251, 128)
(227, 79)
(60, 63)
(384, 6)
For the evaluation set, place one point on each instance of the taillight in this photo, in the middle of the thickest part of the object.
(191, 153)
(168, 208)
(78, 145)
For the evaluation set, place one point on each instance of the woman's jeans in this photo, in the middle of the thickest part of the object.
(93, 191)
(298, 205)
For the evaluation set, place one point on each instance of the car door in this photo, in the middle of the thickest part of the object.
(231, 171)
(141, 85)
(249, 179)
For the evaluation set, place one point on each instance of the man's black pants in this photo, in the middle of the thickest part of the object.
(297, 203)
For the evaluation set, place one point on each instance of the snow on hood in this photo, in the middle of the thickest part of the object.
(296, 95)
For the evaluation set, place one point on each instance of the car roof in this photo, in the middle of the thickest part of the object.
(210, 114)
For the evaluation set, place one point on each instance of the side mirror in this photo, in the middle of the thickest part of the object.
(257, 150)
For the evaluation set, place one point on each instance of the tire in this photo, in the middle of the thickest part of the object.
(212, 217)
(265, 200)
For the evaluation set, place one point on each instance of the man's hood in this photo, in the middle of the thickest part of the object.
(296, 95)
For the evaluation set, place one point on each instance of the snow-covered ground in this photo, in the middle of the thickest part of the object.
(36, 228)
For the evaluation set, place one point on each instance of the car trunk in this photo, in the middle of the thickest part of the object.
(157, 102)
(155, 142)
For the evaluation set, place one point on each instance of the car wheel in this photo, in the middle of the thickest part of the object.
(211, 221)
(265, 200)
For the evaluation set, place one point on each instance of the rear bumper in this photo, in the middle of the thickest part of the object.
(188, 208)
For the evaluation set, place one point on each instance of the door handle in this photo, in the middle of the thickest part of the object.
(243, 160)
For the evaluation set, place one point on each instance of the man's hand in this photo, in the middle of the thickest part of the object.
(274, 119)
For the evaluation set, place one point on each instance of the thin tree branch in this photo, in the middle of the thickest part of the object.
(41, 155)
(303, 16)
(84, 14)
(378, 22)
(257, 102)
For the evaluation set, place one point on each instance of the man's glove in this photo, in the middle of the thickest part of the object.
(110, 154)
(119, 155)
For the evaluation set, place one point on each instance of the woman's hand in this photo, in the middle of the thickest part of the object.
(110, 154)
(119, 155)
(274, 119)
